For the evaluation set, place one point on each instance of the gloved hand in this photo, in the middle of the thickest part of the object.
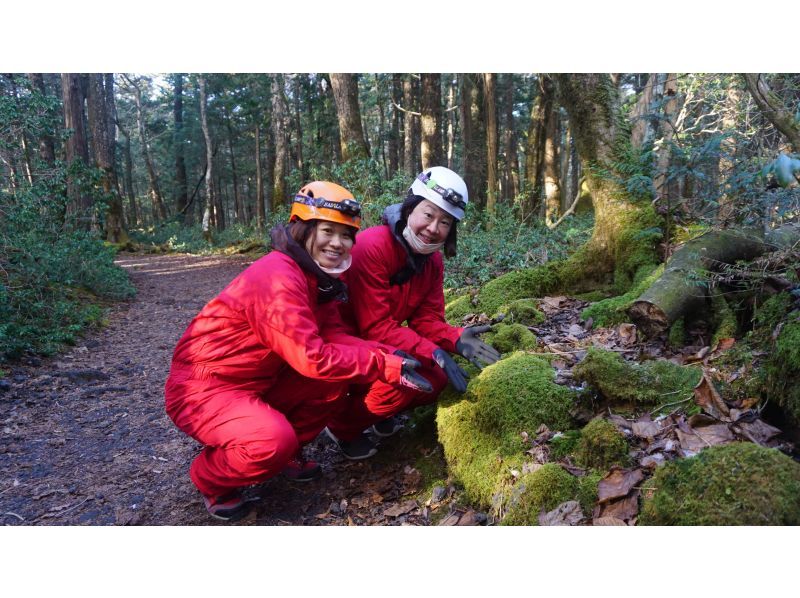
(457, 376)
(409, 377)
(474, 349)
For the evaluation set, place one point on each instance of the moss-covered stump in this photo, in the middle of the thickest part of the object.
(481, 431)
(733, 484)
(612, 311)
(508, 338)
(601, 445)
(540, 491)
(650, 383)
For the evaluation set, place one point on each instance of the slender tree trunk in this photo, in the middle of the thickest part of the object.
(431, 110)
(77, 150)
(103, 143)
(474, 137)
(417, 125)
(238, 208)
(394, 134)
(773, 108)
(552, 141)
(727, 201)
(134, 218)
(382, 133)
(345, 94)
(409, 164)
(259, 183)
(47, 150)
(279, 193)
(510, 143)
(210, 200)
(181, 192)
(491, 141)
(451, 122)
(566, 157)
(296, 88)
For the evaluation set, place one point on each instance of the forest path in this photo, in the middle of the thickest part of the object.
(84, 439)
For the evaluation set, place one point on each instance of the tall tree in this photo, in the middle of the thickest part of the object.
(298, 129)
(260, 207)
(210, 199)
(238, 208)
(394, 133)
(451, 121)
(181, 191)
(279, 193)
(511, 162)
(774, 108)
(345, 94)
(47, 150)
(134, 218)
(552, 142)
(473, 133)
(431, 120)
(409, 163)
(490, 105)
(101, 125)
(77, 149)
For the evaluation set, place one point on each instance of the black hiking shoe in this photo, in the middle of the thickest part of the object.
(298, 469)
(360, 448)
(387, 427)
(231, 507)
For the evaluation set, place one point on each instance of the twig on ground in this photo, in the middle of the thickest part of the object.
(21, 518)
(671, 404)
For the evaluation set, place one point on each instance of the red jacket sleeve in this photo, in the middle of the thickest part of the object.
(428, 320)
(369, 287)
(284, 321)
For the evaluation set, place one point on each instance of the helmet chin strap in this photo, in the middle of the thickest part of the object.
(417, 245)
(336, 272)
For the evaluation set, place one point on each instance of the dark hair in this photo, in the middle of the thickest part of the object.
(412, 201)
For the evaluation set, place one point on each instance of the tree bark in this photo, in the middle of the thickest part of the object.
(134, 218)
(210, 200)
(281, 143)
(552, 141)
(534, 153)
(473, 128)
(47, 151)
(394, 134)
(431, 120)
(77, 150)
(260, 213)
(298, 129)
(409, 163)
(773, 108)
(345, 95)
(491, 141)
(451, 122)
(181, 191)
(511, 171)
(238, 208)
(681, 288)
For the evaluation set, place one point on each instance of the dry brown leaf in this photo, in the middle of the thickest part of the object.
(451, 519)
(646, 429)
(627, 333)
(707, 397)
(700, 438)
(758, 431)
(469, 518)
(652, 461)
(567, 513)
(401, 509)
(724, 344)
(620, 422)
(608, 521)
(617, 483)
(698, 356)
(624, 509)
(698, 420)
(553, 302)
(750, 402)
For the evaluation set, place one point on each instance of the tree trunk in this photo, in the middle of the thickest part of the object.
(345, 95)
(431, 120)
(47, 150)
(281, 143)
(774, 109)
(511, 171)
(181, 191)
(409, 163)
(534, 153)
(552, 141)
(77, 150)
(134, 219)
(298, 129)
(210, 199)
(491, 141)
(260, 213)
(727, 200)
(100, 120)
(681, 288)
(238, 208)
(473, 128)
(394, 134)
(451, 122)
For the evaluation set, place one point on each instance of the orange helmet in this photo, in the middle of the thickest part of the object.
(322, 200)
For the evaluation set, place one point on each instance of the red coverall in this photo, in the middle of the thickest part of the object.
(378, 310)
(260, 371)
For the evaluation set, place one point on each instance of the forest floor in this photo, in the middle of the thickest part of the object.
(85, 440)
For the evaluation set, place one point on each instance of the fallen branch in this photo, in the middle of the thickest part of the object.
(571, 209)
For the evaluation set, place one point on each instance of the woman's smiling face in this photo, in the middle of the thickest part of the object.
(429, 222)
(330, 243)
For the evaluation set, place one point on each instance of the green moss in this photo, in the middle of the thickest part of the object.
(681, 234)
(677, 334)
(508, 338)
(523, 311)
(782, 371)
(601, 445)
(520, 284)
(635, 254)
(564, 444)
(651, 383)
(587, 490)
(592, 296)
(481, 431)
(725, 325)
(734, 484)
(772, 312)
(612, 311)
(457, 308)
(540, 491)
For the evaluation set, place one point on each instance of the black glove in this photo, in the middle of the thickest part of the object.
(409, 377)
(457, 376)
(474, 349)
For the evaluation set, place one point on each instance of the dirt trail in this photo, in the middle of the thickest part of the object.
(84, 439)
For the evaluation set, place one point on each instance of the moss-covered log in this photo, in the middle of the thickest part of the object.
(683, 287)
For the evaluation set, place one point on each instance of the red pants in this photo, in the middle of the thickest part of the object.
(369, 404)
(249, 433)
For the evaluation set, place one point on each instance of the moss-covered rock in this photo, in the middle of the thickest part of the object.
(783, 370)
(519, 284)
(611, 311)
(725, 325)
(540, 491)
(733, 484)
(457, 308)
(601, 445)
(587, 490)
(650, 383)
(508, 338)
(481, 431)
(523, 311)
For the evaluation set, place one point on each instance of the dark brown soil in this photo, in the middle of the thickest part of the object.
(84, 439)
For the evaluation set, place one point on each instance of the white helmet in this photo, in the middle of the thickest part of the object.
(444, 188)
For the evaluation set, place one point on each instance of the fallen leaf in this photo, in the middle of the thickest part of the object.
(627, 333)
(617, 483)
(471, 518)
(645, 429)
(707, 397)
(700, 438)
(652, 461)
(620, 422)
(401, 509)
(624, 509)
(699, 355)
(758, 431)
(553, 302)
(698, 420)
(608, 521)
(751, 402)
(451, 519)
(724, 344)
(567, 513)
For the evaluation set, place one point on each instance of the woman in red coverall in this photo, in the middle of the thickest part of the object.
(264, 366)
(396, 277)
